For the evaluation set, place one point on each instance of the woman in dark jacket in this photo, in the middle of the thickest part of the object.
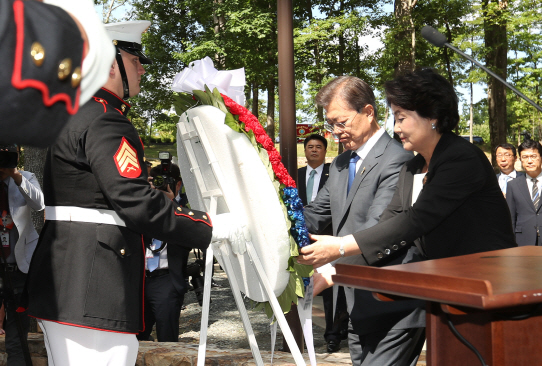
(447, 202)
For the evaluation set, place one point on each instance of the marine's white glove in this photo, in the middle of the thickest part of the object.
(230, 227)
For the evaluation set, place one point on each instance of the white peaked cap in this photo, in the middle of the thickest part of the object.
(127, 31)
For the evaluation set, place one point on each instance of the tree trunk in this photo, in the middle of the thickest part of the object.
(406, 36)
(219, 22)
(255, 99)
(496, 43)
(270, 128)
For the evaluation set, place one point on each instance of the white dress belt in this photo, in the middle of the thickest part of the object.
(80, 214)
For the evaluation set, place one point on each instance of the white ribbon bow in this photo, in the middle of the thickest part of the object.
(202, 72)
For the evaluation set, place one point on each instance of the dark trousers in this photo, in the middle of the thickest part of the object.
(336, 324)
(14, 348)
(163, 308)
(397, 347)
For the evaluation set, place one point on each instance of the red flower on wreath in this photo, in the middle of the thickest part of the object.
(252, 124)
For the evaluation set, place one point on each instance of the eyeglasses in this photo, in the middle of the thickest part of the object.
(506, 155)
(339, 126)
(533, 157)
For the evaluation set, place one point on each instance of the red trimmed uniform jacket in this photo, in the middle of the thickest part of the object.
(89, 274)
(34, 102)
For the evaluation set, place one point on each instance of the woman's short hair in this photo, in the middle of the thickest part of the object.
(530, 144)
(354, 91)
(428, 94)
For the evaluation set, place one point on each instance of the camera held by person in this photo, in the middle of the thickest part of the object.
(164, 177)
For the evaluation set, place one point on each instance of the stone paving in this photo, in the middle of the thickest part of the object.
(227, 344)
(180, 354)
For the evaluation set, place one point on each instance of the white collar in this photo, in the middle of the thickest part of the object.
(512, 174)
(364, 149)
(318, 169)
(528, 177)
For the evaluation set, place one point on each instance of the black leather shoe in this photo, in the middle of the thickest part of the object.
(333, 346)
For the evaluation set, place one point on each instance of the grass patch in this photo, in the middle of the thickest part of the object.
(151, 152)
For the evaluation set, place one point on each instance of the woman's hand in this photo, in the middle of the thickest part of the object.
(325, 249)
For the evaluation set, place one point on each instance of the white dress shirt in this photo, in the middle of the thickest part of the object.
(530, 183)
(417, 186)
(364, 149)
(317, 175)
(505, 178)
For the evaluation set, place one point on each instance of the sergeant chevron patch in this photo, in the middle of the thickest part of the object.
(126, 160)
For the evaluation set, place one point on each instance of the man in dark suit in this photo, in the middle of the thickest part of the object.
(315, 152)
(361, 183)
(523, 195)
(506, 158)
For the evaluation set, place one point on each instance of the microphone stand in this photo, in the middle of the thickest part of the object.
(426, 33)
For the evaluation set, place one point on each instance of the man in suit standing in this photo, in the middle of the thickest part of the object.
(523, 195)
(310, 180)
(506, 158)
(361, 183)
(19, 193)
(315, 152)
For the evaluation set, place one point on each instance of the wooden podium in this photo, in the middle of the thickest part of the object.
(494, 299)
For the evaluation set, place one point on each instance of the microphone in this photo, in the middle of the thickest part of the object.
(433, 36)
(438, 39)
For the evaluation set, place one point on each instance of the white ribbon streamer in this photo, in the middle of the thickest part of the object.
(202, 72)
(273, 327)
(304, 308)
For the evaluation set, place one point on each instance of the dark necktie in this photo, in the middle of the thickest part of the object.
(352, 170)
(535, 195)
(4, 211)
(310, 186)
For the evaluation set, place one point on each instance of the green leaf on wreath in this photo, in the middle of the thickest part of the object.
(203, 97)
(288, 222)
(268, 310)
(299, 285)
(231, 122)
(303, 270)
(294, 251)
(183, 102)
(276, 184)
(252, 138)
(264, 156)
(212, 97)
(219, 101)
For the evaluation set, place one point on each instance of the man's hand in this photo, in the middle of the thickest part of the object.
(169, 193)
(325, 249)
(323, 280)
(13, 173)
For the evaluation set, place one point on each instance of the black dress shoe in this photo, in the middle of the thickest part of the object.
(333, 346)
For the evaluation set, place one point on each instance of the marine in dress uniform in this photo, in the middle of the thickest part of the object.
(86, 280)
(55, 59)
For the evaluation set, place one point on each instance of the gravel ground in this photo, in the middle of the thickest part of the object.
(225, 326)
